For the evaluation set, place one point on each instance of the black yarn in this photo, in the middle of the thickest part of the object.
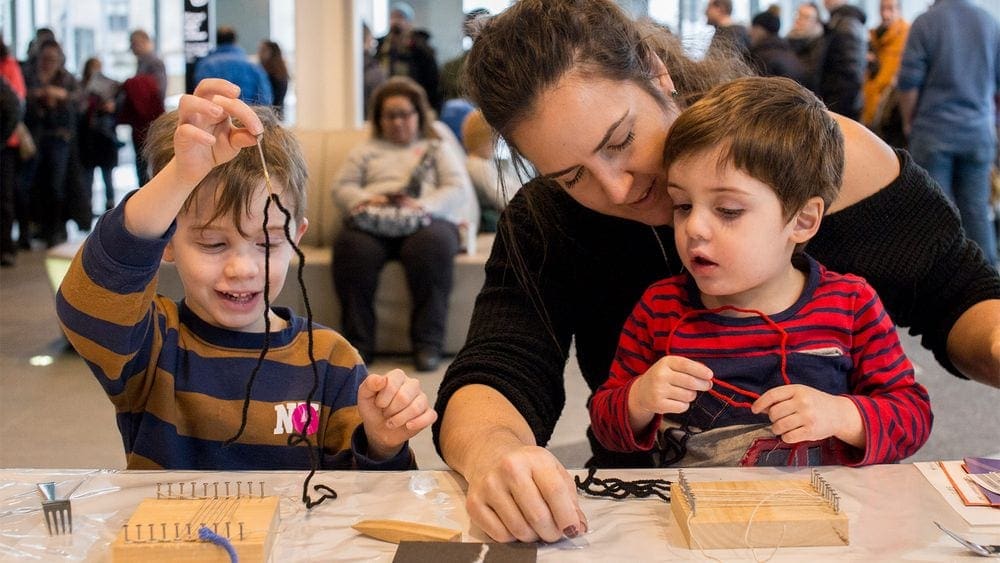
(267, 332)
(294, 439)
(672, 448)
(618, 488)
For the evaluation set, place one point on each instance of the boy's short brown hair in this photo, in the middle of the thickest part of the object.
(771, 128)
(238, 178)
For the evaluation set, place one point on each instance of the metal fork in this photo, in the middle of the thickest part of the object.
(989, 481)
(978, 549)
(58, 512)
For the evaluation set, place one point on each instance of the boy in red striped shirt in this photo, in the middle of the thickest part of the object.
(757, 354)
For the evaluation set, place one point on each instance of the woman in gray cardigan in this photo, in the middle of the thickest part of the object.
(405, 194)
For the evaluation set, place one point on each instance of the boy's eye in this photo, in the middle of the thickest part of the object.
(682, 208)
(272, 241)
(730, 213)
(212, 245)
(624, 144)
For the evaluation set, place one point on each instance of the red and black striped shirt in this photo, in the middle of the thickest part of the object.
(840, 340)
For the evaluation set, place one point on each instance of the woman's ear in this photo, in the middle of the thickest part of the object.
(662, 75)
(806, 222)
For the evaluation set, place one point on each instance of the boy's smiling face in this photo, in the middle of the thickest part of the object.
(221, 270)
(732, 234)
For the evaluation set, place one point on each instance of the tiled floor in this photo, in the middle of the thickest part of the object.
(53, 413)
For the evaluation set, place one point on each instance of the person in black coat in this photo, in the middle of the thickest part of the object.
(844, 64)
(770, 55)
(406, 51)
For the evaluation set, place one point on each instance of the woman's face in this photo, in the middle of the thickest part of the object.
(602, 141)
(400, 120)
(49, 60)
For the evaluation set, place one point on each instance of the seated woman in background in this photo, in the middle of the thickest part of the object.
(404, 193)
(495, 179)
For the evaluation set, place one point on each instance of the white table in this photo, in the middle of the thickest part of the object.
(891, 510)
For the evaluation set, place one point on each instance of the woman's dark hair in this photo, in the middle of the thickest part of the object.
(526, 49)
(53, 44)
(88, 70)
(403, 86)
(274, 64)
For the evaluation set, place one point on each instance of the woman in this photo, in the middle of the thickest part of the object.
(404, 170)
(274, 65)
(98, 139)
(52, 103)
(587, 95)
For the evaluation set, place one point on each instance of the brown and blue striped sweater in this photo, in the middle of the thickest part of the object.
(178, 383)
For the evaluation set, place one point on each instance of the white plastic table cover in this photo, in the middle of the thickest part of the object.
(891, 510)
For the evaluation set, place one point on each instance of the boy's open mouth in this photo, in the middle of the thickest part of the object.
(242, 297)
(702, 261)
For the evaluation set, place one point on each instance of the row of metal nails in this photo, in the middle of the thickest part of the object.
(204, 489)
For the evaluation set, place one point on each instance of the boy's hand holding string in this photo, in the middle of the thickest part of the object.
(393, 409)
(205, 138)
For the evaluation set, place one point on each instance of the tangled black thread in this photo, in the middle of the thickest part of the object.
(295, 438)
(618, 488)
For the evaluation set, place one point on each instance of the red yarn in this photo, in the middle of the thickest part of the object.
(735, 388)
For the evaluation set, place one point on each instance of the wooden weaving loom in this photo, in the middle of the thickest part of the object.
(167, 528)
(772, 513)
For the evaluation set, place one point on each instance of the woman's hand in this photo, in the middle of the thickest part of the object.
(205, 135)
(668, 386)
(404, 200)
(517, 490)
(524, 494)
(375, 201)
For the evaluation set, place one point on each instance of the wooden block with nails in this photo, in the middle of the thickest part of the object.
(742, 514)
(167, 529)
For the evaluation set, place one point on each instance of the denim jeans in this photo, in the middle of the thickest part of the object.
(964, 176)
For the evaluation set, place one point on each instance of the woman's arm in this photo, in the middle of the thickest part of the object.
(454, 188)
(348, 188)
(504, 392)
(869, 164)
(974, 342)
(925, 276)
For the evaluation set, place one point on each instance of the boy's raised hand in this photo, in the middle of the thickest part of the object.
(393, 409)
(206, 136)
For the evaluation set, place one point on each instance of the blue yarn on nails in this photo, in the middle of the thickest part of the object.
(205, 534)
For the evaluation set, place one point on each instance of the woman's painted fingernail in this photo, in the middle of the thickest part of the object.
(570, 532)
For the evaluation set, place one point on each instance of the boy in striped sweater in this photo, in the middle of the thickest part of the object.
(757, 354)
(190, 382)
